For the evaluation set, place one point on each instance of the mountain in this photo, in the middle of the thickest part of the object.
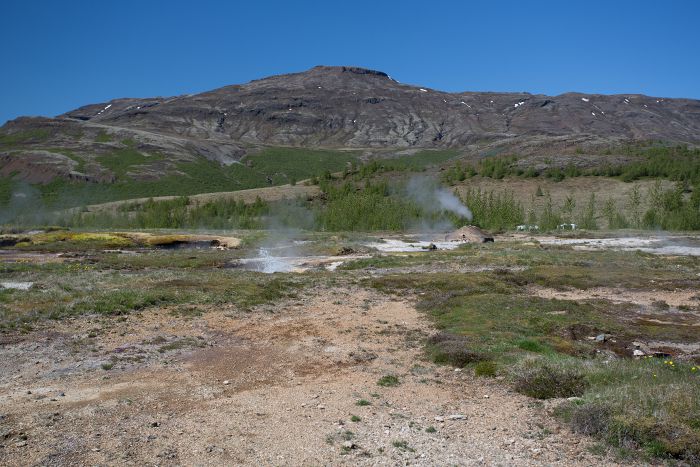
(327, 108)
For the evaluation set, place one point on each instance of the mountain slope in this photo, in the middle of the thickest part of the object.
(335, 108)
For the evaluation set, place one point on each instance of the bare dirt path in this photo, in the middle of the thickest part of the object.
(277, 386)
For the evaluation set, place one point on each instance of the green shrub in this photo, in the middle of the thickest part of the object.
(485, 368)
(452, 349)
(531, 346)
(388, 381)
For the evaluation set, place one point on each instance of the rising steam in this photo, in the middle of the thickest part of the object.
(433, 198)
(449, 202)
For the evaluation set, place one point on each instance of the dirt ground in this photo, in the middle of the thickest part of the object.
(275, 386)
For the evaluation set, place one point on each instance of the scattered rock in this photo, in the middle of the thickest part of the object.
(457, 417)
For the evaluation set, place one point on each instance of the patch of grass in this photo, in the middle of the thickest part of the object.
(73, 289)
(11, 140)
(363, 403)
(648, 405)
(532, 345)
(107, 366)
(103, 137)
(184, 343)
(402, 445)
(430, 429)
(64, 240)
(187, 312)
(120, 161)
(283, 165)
(486, 368)
(355, 419)
(388, 381)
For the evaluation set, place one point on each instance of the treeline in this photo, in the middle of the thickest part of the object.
(180, 212)
(675, 208)
(371, 206)
(375, 206)
(676, 163)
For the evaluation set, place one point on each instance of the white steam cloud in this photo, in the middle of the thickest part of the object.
(433, 198)
(449, 202)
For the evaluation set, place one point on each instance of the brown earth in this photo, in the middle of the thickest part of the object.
(579, 188)
(277, 386)
(273, 193)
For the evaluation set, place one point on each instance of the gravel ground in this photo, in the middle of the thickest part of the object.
(278, 386)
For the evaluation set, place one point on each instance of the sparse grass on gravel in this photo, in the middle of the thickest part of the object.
(489, 321)
(111, 288)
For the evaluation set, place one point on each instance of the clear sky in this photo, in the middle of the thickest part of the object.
(58, 55)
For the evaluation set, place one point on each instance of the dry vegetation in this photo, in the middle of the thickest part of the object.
(169, 355)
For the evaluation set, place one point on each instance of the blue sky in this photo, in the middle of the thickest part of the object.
(58, 55)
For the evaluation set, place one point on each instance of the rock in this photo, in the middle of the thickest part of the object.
(457, 417)
(601, 338)
(439, 419)
(638, 353)
(344, 251)
(349, 445)
(227, 382)
(155, 424)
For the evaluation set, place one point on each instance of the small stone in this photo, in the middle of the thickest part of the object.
(486, 396)
(457, 417)
(321, 407)
(21, 444)
(601, 338)
(638, 353)
(227, 382)
(349, 445)
(439, 419)
(95, 449)
(61, 394)
(155, 424)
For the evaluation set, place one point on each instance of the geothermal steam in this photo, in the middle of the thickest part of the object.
(449, 202)
(434, 198)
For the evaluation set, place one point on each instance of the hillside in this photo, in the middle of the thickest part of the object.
(285, 128)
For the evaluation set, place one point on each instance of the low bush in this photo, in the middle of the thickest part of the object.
(485, 368)
(546, 380)
(452, 349)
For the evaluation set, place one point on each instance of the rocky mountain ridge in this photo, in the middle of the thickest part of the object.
(327, 107)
